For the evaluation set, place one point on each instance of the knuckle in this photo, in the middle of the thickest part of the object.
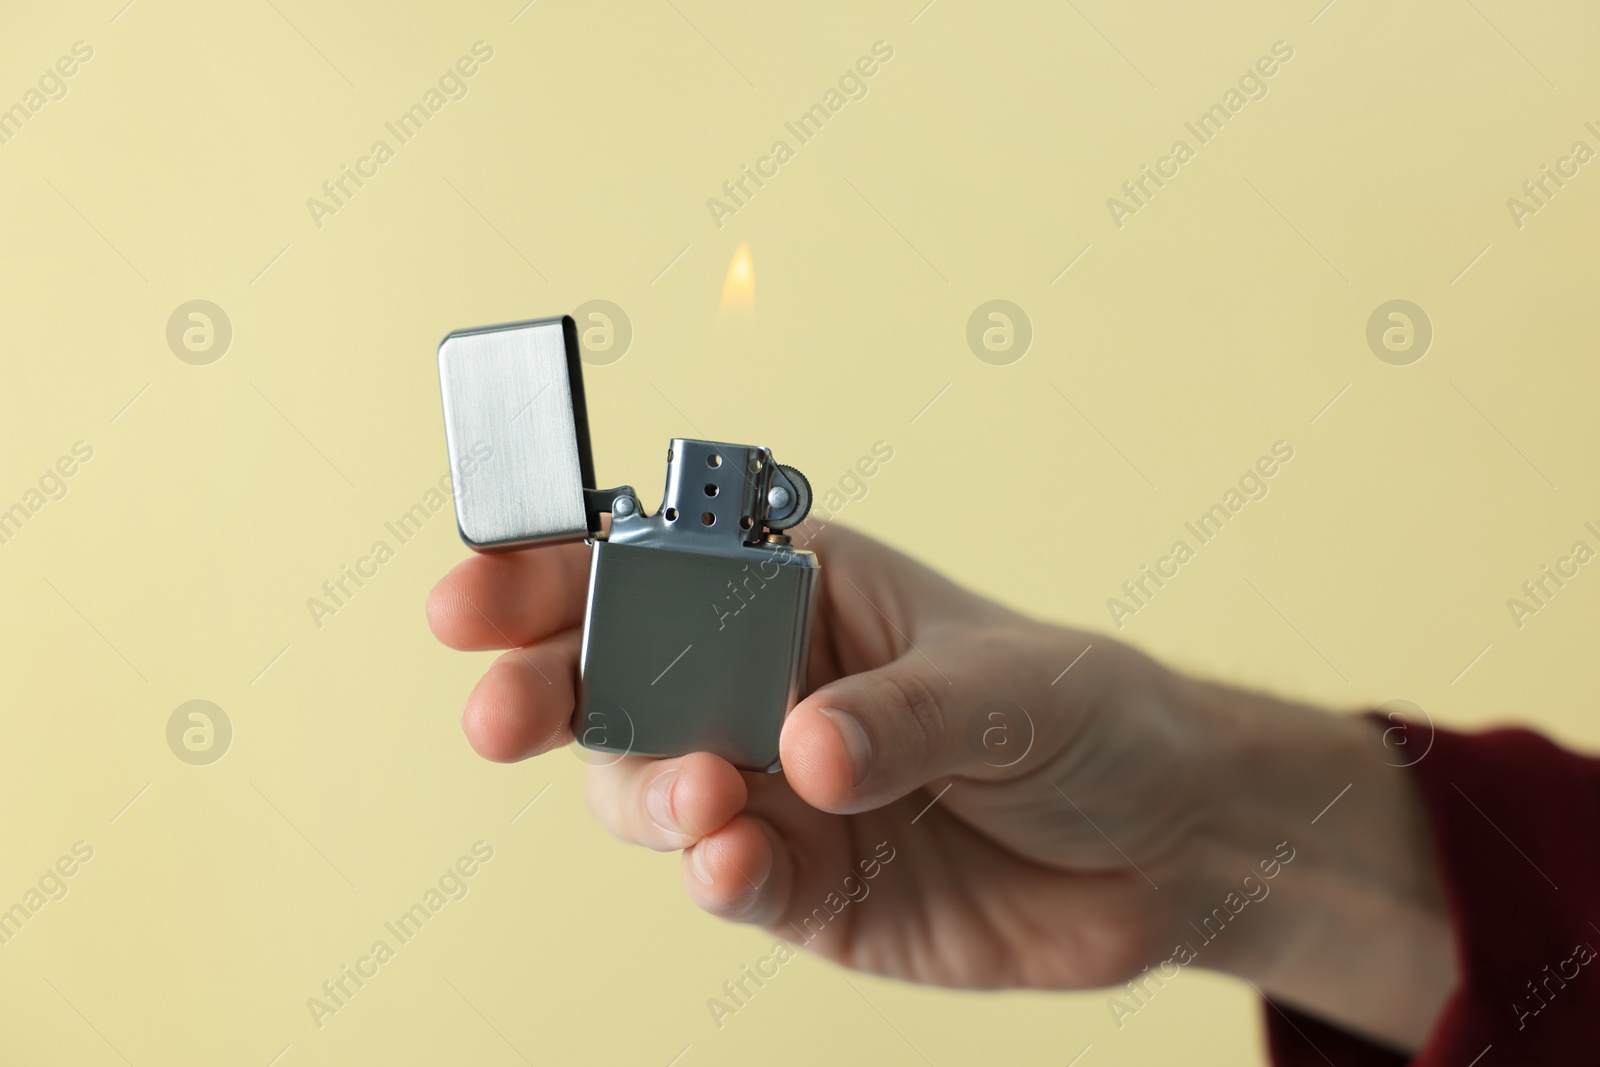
(916, 710)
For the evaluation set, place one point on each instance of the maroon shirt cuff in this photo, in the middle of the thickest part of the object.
(1515, 822)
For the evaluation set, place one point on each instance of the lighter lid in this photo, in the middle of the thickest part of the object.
(517, 430)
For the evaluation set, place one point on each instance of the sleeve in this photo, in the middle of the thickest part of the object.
(1515, 822)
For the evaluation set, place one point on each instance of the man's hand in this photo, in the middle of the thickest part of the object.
(1116, 809)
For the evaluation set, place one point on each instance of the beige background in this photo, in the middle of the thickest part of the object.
(1224, 316)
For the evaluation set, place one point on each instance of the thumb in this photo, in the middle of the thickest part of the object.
(870, 738)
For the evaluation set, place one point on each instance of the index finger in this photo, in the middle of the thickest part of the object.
(510, 599)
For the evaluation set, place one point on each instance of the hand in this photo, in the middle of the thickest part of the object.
(1130, 802)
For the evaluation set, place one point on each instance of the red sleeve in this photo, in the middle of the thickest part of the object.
(1515, 821)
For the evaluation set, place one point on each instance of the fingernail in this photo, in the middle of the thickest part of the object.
(697, 862)
(658, 802)
(856, 743)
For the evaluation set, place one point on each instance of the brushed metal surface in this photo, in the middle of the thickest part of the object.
(517, 437)
(686, 651)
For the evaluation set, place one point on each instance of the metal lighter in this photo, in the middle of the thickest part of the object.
(696, 628)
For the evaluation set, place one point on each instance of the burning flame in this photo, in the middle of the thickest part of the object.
(739, 290)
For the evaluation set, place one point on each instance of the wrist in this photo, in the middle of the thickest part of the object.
(1314, 877)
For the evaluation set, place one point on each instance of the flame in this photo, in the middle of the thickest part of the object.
(739, 290)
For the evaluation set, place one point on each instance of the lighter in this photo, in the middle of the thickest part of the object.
(696, 627)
